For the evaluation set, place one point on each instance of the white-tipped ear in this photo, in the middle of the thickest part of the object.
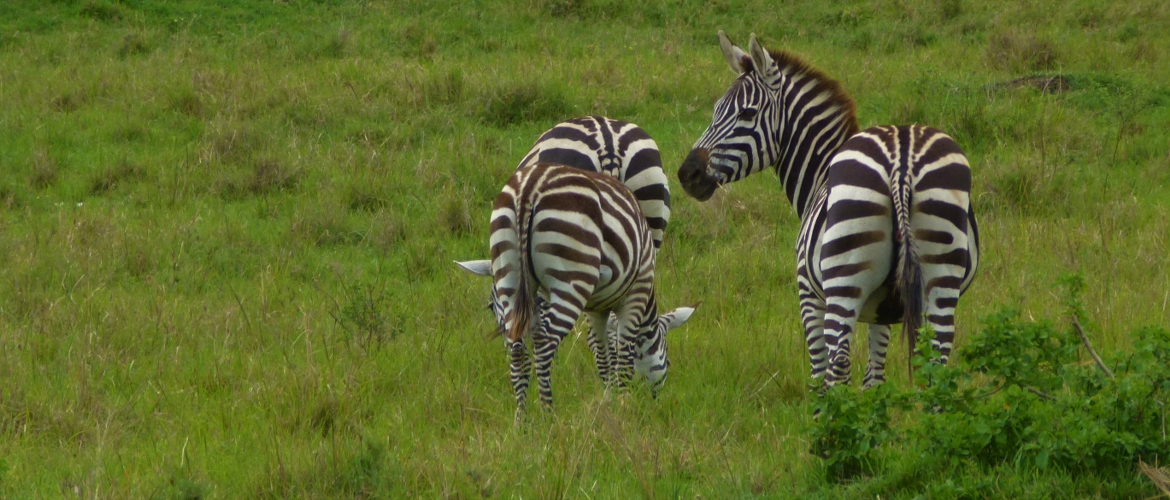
(677, 317)
(736, 57)
(479, 267)
(761, 59)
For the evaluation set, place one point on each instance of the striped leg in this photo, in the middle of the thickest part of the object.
(940, 222)
(544, 348)
(622, 345)
(600, 345)
(879, 340)
(520, 367)
(850, 273)
(942, 295)
(557, 322)
(812, 312)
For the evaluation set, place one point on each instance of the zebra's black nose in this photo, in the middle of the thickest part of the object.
(694, 177)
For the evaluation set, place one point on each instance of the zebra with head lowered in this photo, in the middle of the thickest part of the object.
(887, 231)
(578, 240)
(620, 149)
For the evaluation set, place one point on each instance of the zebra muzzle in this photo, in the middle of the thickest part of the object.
(695, 178)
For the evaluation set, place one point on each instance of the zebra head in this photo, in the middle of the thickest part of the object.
(650, 358)
(744, 135)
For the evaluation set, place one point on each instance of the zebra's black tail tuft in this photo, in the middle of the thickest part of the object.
(909, 269)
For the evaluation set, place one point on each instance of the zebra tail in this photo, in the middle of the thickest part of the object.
(523, 304)
(909, 272)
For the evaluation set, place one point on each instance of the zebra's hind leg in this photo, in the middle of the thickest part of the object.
(879, 341)
(520, 367)
(944, 256)
(557, 323)
(844, 299)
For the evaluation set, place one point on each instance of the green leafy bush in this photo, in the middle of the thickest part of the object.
(1022, 393)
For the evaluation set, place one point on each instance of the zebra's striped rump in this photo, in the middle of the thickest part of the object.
(578, 241)
(896, 232)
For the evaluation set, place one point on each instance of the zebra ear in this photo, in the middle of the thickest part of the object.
(761, 59)
(478, 267)
(739, 60)
(677, 317)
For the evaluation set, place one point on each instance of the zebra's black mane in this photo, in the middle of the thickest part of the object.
(792, 64)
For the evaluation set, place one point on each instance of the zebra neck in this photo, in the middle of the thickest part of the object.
(803, 165)
(817, 116)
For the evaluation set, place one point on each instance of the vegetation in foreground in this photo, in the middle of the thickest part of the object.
(228, 229)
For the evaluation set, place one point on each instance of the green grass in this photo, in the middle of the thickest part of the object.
(228, 228)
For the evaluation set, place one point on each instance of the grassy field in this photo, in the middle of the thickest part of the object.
(227, 231)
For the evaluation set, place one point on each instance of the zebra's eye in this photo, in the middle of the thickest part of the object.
(746, 114)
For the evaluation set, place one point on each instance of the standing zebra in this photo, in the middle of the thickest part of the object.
(577, 239)
(887, 231)
(620, 149)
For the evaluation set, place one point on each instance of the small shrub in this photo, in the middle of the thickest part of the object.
(68, 102)
(1013, 51)
(181, 487)
(110, 178)
(525, 102)
(417, 41)
(187, 103)
(133, 44)
(363, 311)
(271, 176)
(366, 198)
(455, 215)
(386, 231)
(338, 44)
(102, 10)
(43, 171)
(950, 9)
(131, 133)
(851, 427)
(324, 225)
(366, 473)
(444, 88)
(9, 198)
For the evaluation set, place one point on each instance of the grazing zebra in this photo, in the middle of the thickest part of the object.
(887, 231)
(577, 239)
(618, 148)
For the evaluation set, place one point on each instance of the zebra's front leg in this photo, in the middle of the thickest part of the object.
(812, 312)
(879, 341)
(520, 367)
(600, 345)
(622, 342)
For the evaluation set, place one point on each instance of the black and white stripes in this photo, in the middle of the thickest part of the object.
(620, 149)
(887, 233)
(578, 239)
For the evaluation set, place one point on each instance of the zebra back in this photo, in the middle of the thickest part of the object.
(620, 149)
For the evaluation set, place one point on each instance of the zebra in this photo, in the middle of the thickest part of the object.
(887, 231)
(578, 240)
(620, 149)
